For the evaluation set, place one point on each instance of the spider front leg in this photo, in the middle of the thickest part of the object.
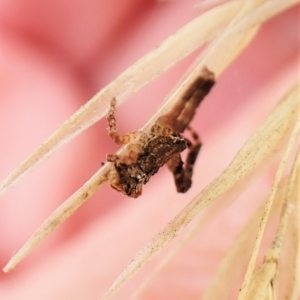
(127, 138)
(183, 172)
(135, 139)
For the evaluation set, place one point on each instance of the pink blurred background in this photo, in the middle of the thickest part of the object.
(54, 56)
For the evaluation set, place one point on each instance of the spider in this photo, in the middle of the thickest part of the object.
(147, 152)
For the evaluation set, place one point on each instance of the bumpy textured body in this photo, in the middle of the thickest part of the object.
(147, 152)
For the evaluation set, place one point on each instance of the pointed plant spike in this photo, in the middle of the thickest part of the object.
(287, 280)
(294, 250)
(262, 279)
(230, 270)
(247, 288)
(238, 255)
(57, 217)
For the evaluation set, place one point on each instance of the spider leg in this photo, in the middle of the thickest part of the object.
(193, 97)
(112, 158)
(184, 110)
(194, 149)
(175, 165)
(183, 173)
(112, 128)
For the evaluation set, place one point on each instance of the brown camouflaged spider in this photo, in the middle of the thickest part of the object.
(147, 152)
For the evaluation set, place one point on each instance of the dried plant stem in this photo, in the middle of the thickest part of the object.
(230, 269)
(55, 219)
(238, 254)
(263, 277)
(245, 293)
(292, 250)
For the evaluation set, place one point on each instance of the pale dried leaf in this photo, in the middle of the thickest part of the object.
(57, 217)
(221, 283)
(232, 267)
(237, 256)
(250, 288)
(262, 280)
(287, 280)
(294, 238)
